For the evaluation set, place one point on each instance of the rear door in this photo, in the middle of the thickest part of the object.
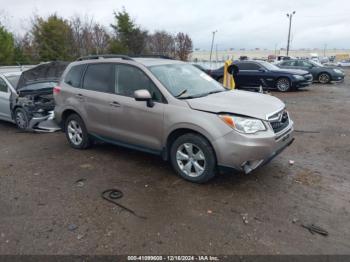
(95, 96)
(5, 93)
(133, 122)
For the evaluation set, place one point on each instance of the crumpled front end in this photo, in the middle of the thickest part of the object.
(40, 111)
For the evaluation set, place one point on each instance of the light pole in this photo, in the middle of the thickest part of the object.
(290, 16)
(212, 45)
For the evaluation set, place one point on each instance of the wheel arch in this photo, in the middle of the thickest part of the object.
(176, 133)
(66, 113)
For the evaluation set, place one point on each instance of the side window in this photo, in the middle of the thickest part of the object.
(248, 66)
(129, 79)
(74, 76)
(3, 86)
(304, 64)
(288, 63)
(99, 77)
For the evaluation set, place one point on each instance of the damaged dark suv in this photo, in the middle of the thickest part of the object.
(27, 98)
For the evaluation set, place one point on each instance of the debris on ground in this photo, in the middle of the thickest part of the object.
(210, 212)
(80, 182)
(86, 166)
(316, 229)
(295, 220)
(245, 218)
(291, 162)
(72, 227)
(80, 237)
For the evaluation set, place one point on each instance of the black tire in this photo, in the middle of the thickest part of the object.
(82, 139)
(208, 165)
(21, 119)
(283, 84)
(324, 78)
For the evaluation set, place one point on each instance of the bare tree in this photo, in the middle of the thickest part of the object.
(100, 39)
(161, 43)
(89, 37)
(184, 46)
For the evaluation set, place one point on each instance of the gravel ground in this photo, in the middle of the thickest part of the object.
(44, 210)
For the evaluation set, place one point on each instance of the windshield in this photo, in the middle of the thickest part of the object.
(186, 81)
(13, 79)
(269, 66)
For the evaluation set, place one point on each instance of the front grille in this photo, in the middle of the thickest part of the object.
(281, 123)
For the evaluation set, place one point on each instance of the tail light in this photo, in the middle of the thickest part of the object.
(56, 90)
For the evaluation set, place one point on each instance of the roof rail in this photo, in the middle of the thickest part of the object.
(153, 56)
(95, 57)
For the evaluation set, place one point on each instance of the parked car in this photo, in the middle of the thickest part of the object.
(172, 109)
(320, 73)
(26, 98)
(253, 74)
(344, 63)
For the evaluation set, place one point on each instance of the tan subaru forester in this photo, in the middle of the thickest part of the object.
(172, 109)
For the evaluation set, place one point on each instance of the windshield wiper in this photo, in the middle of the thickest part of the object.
(181, 94)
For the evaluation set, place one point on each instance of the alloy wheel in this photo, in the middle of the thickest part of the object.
(21, 120)
(75, 132)
(324, 78)
(283, 85)
(191, 160)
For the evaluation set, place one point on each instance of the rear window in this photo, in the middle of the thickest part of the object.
(74, 75)
(99, 77)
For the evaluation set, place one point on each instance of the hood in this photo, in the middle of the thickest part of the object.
(291, 71)
(243, 103)
(47, 72)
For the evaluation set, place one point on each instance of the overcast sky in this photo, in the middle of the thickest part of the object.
(240, 24)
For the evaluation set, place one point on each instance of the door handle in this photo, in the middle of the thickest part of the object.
(115, 104)
(80, 97)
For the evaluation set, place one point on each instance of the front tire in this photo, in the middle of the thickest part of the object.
(283, 85)
(324, 78)
(193, 158)
(76, 132)
(21, 119)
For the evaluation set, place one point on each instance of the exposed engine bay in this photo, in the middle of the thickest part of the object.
(35, 96)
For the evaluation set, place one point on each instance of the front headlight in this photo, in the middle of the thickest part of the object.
(298, 77)
(338, 71)
(243, 124)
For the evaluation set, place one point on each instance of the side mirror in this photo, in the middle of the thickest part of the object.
(233, 70)
(144, 95)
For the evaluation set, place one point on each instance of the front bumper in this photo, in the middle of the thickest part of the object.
(338, 78)
(44, 124)
(246, 153)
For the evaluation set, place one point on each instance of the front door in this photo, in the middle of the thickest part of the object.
(5, 93)
(133, 122)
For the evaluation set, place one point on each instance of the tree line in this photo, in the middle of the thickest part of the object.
(56, 38)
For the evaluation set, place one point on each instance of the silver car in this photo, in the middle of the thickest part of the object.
(26, 97)
(172, 109)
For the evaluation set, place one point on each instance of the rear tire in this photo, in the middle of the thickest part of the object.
(324, 78)
(21, 119)
(76, 132)
(283, 84)
(193, 158)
